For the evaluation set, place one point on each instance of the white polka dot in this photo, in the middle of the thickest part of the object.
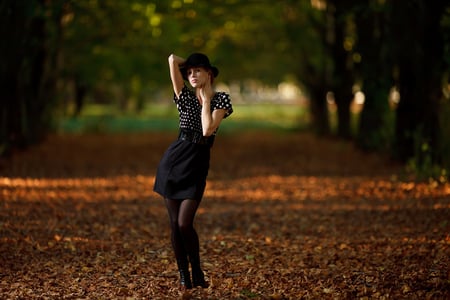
(190, 109)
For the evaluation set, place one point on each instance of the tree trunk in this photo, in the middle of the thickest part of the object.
(420, 64)
(343, 79)
(373, 45)
(319, 110)
(13, 27)
(27, 71)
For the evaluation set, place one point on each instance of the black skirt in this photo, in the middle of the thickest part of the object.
(182, 171)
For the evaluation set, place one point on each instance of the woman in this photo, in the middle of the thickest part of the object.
(182, 172)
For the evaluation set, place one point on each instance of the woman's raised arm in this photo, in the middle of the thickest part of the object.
(175, 74)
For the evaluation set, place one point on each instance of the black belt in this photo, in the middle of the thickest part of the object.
(195, 137)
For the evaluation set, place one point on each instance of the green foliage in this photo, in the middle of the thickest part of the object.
(110, 41)
(162, 117)
(423, 164)
(445, 138)
(426, 170)
(113, 41)
(115, 52)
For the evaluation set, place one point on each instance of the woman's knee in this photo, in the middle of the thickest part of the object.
(185, 227)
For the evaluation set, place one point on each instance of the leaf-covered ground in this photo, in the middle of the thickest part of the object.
(285, 216)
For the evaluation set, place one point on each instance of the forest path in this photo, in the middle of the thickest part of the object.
(285, 216)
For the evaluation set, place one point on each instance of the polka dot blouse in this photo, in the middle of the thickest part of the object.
(190, 109)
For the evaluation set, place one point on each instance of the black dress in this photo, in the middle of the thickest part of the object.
(183, 169)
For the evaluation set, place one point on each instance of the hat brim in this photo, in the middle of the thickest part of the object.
(184, 68)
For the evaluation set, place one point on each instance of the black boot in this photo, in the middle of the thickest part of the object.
(198, 278)
(185, 276)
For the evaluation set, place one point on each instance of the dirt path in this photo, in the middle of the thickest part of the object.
(285, 216)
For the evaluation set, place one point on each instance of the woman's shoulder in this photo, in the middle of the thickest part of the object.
(186, 95)
(222, 100)
(186, 92)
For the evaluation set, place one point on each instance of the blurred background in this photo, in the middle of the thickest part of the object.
(375, 72)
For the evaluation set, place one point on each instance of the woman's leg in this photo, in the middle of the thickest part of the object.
(188, 209)
(173, 208)
(185, 239)
(186, 216)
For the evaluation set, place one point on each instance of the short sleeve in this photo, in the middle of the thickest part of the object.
(223, 101)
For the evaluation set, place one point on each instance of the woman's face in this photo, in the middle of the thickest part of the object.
(198, 76)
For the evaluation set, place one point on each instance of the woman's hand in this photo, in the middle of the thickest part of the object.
(210, 120)
(176, 59)
(206, 91)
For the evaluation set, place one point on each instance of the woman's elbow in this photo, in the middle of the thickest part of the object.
(208, 131)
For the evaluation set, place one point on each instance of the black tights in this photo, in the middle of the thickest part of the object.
(183, 236)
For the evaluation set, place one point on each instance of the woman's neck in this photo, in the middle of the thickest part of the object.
(208, 93)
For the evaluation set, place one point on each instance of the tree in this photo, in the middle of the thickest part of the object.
(306, 31)
(375, 70)
(27, 71)
(109, 44)
(419, 56)
(112, 51)
(343, 79)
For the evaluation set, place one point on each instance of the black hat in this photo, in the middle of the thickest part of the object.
(197, 60)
